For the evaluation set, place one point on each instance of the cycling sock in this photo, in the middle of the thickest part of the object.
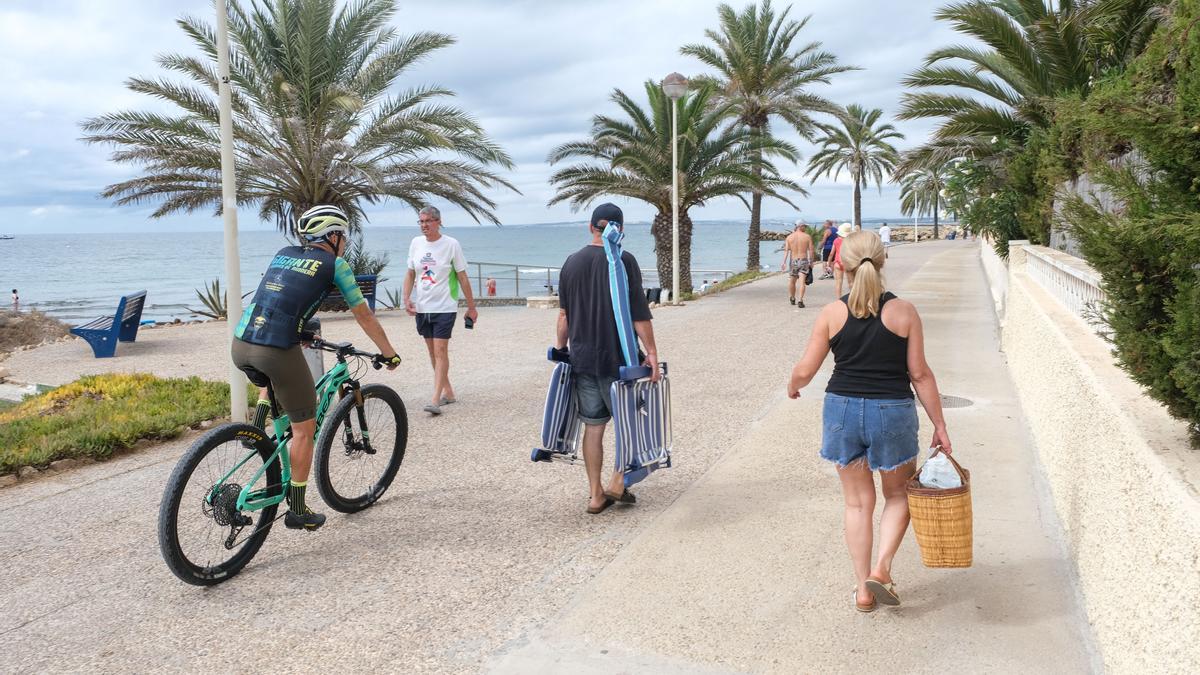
(260, 413)
(296, 497)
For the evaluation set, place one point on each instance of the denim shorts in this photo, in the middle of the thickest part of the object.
(592, 393)
(884, 431)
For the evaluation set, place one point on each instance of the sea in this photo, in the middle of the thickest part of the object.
(77, 277)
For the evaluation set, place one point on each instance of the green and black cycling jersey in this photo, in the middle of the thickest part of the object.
(295, 283)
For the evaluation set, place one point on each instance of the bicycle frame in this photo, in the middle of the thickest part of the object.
(330, 384)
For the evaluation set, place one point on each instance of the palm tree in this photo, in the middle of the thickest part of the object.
(859, 147)
(1033, 51)
(921, 191)
(763, 74)
(632, 158)
(314, 119)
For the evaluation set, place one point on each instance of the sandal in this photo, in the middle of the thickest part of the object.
(885, 593)
(626, 497)
(598, 509)
(865, 609)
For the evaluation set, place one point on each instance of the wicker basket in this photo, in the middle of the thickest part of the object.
(942, 521)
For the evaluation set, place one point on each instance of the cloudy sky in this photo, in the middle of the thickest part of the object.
(532, 71)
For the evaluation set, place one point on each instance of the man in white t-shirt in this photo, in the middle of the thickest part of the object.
(435, 280)
(885, 235)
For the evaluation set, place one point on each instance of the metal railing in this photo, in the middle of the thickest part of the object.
(518, 281)
(1069, 279)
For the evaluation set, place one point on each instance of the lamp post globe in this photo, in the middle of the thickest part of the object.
(674, 86)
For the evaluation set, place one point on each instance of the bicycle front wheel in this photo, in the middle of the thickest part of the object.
(204, 538)
(360, 448)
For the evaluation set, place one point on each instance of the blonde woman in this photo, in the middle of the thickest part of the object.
(870, 419)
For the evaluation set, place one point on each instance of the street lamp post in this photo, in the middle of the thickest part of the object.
(674, 86)
(233, 275)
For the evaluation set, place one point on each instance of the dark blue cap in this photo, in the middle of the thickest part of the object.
(610, 212)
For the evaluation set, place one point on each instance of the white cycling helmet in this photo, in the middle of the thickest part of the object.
(321, 221)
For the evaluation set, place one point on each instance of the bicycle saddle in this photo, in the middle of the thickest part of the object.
(257, 377)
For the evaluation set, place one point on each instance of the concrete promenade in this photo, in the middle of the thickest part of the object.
(478, 561)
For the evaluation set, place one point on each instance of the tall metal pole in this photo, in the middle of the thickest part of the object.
(233, 272)
(674, 202)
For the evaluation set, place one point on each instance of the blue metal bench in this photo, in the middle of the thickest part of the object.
(104, 333)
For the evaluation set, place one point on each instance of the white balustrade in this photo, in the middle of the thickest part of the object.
(1069, 279)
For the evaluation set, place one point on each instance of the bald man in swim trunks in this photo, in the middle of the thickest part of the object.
(797, 260)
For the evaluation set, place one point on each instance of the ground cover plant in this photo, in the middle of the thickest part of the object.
(98, 415)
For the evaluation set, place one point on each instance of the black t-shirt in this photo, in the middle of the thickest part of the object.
(591, 325)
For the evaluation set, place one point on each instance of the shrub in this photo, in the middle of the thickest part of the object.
(1148, 250)
(100, 414)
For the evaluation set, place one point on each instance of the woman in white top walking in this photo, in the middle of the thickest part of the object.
(436, 278)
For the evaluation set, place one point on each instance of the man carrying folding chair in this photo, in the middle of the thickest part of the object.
(587, 326)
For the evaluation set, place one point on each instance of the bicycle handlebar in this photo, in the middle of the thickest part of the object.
(345, 349)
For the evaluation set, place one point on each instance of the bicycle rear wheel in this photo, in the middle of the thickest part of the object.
(360, 448)
(203, 536)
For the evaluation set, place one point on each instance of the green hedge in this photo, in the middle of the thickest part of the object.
(1148, 252)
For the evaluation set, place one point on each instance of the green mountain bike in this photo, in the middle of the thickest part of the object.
(221, 499)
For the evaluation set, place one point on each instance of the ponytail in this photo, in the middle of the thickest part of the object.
(862, 256)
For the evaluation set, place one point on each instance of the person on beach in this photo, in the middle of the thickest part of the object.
(827, 248)
(587, 327)
(839, 274)
(797, 261)
(885, 235)
(869, 418)
(433, 284)
(16, 301)
(491, 287)
(267, 338)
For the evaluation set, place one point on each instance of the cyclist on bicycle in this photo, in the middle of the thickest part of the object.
(269, 334)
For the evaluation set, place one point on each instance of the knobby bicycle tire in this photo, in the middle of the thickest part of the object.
(169, 509)
(332, 430)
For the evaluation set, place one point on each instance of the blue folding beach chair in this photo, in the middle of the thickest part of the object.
(561, 426)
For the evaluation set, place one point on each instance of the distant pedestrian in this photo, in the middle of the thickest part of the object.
(16, 301)
(878, 360)
(587, 327)
(435, 280)
(885, 235)
(797, 261)
(843, 231)
(827, 238)
(490, 284)
(705, 286)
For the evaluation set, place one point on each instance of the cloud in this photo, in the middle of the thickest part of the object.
(533, 72)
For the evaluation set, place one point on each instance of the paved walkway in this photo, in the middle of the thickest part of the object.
(478, 560)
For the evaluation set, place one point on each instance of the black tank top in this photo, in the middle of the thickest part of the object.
(869, 361)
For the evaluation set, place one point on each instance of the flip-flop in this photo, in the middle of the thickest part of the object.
(597, 509)
(432, 409)
(865, 609)
(626, 497)
(447, 401)
(885, 593)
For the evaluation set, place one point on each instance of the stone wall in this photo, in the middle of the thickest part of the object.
(1123, 478)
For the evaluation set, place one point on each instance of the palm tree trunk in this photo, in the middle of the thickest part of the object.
(661, 231)
(935, 217)
(685, 253)
(754, 238)
(857, 204)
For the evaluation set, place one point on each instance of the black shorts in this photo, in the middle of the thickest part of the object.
(437, 326)
(291, 379)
